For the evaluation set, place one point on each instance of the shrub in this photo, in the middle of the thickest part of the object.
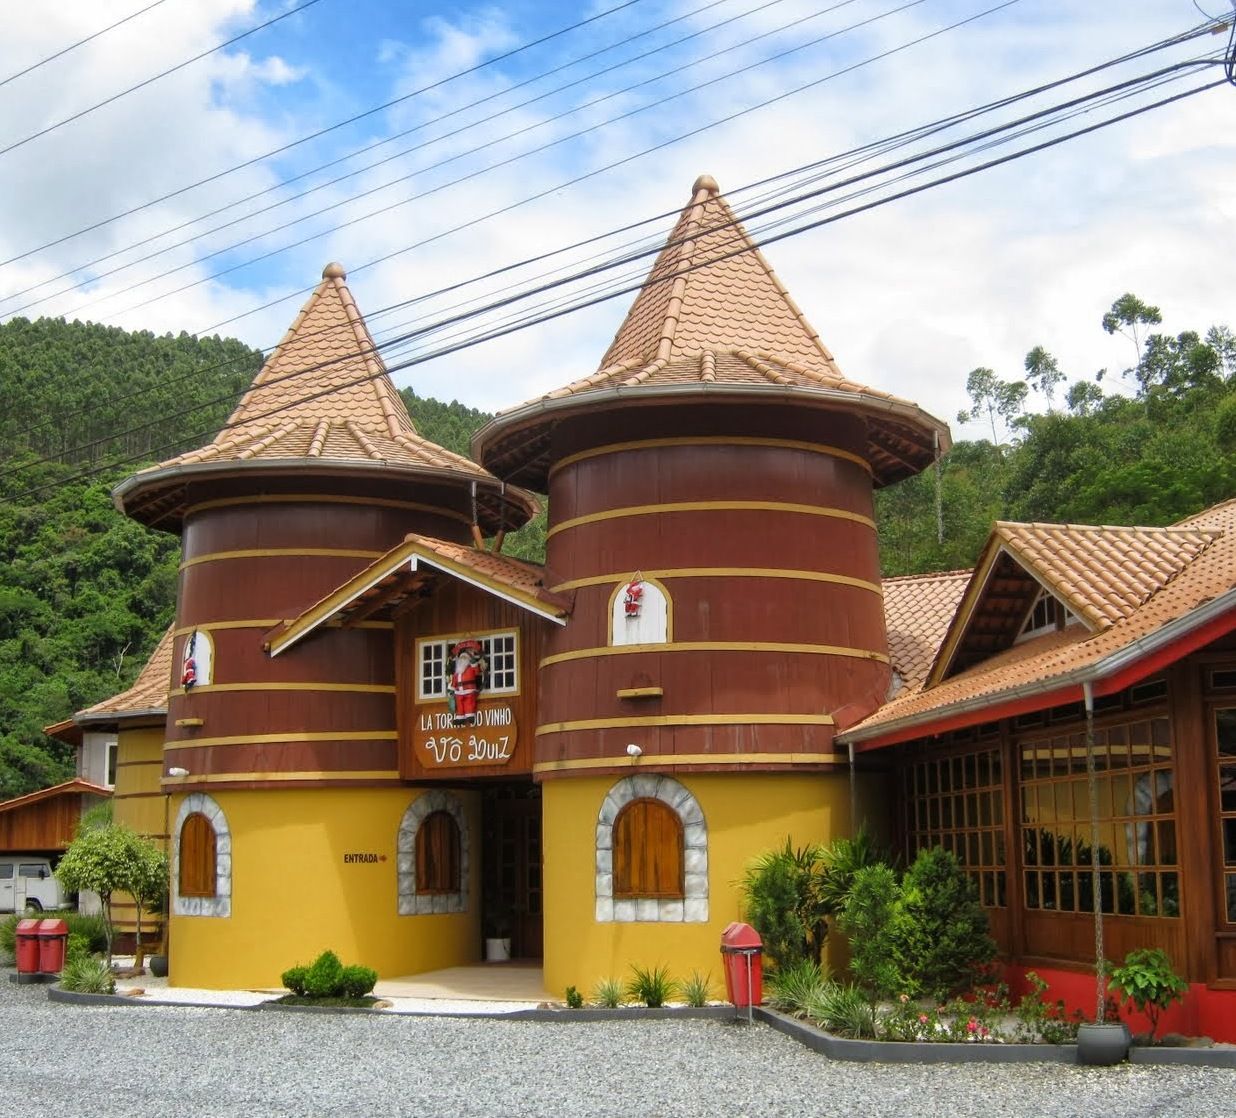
(697, 989)
(76, 948)
(608, 993)
(357, 981)
(791, 988)
(652, 986)
(839, 861)
(843, 1010)
(574, 999)
(88, 975)
(1039, 1020)
(939, 929)
(867, 920)
(781, 900)
(324, 979)
(294, 979)
(8, 936)
(1146, 978)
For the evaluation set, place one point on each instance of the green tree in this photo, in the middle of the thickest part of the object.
(111, 859)
(994, 399)
(1129, 316)
(1043, 373)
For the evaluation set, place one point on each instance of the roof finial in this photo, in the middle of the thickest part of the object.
(706, 182)
(334, 270)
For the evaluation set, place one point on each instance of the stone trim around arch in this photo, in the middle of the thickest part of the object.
(693, 908)
(412, 903)
(220, 905)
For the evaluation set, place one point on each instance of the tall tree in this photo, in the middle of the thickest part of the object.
(1043, 373)
(993, 398)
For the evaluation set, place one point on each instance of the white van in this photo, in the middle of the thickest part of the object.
(27, 884)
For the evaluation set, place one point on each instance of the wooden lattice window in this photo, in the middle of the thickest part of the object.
(648, 851)
(437, 854)
(197, 857)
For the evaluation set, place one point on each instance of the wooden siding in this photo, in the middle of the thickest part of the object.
(772, 574)
(452, 611)
(46, 825)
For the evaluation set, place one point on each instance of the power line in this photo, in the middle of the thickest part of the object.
(579, 304)
(79, 43)
(96, 277)
(320, 132)
(800, 174)
(148, 81)
(906, 4)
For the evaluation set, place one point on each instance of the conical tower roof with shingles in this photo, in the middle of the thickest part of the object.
(713, 318)
(323, 399)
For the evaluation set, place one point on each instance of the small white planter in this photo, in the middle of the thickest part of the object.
(497, 950)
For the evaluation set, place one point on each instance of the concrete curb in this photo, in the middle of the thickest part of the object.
(914, 1052)
(71, 997)
(566, 1016)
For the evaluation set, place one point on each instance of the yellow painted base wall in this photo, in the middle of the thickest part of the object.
(746, 814)
(293, 895)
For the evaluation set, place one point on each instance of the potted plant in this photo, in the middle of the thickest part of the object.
(1100, 1042)
(497, 934)
(1147, 979)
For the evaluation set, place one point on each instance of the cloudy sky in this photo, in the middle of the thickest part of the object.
(909, 296)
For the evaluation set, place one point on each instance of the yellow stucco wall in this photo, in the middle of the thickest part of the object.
(137, 803)
(746, 815)
(293, 895)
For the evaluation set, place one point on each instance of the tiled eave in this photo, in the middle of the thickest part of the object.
(157, 497)
(902, 439)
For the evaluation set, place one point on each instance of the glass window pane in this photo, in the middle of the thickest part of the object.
(1229, 842)
(988, 852)
(1126, 894)
(1049, 890)
(946, 811)
(1169, 883)
(1147, 899)
(1227, 787)
(1032, 892)
(1225, 728)
(1231, 898)
(1167, 843)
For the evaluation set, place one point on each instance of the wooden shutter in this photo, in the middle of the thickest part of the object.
(197, 857)
(648, 851)
(437, 854)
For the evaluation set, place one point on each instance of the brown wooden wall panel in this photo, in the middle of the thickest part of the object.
(716, 538)
(456, 609)
(330, 655)
(44, 825)
(336, 756)
(731, 607)
(1069, 936)
(228, 713)
(261, 586)
(307, 524)
(691, 472)
(738, 682)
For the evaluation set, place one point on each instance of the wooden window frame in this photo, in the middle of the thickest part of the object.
(438, 870)
(198, 871)
(629, 882)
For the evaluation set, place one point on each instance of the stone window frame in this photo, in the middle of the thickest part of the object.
(412, 903)
(693, 907)
(220, 905)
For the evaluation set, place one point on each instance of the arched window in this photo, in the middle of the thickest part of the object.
(640, 613)
(648, 851)
(651, 853)
(201, 859)
(198, 866)
(437, 854)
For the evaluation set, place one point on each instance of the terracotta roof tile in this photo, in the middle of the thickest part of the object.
(528, 578)
(917, 610)
(713, 312)
(1044, 662)
(304, 402)
(149, 691)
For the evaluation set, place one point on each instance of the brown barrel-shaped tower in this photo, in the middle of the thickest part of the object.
(318, 472)
(719, 458)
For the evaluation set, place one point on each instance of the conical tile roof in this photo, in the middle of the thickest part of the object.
(713, 316)
(322, 397)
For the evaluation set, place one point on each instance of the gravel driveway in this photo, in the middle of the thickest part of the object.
(75, 1061)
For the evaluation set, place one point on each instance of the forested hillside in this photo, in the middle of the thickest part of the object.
(85, 593)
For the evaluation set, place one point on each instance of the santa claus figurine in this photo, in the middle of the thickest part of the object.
(633, 597)
(466, 681)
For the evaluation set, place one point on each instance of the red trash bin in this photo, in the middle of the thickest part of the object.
(742, 953)
(27, 947)
(53, 936)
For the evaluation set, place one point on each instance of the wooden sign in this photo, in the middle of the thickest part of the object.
(440, 744)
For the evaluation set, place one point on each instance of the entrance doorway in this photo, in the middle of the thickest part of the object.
(511, 866)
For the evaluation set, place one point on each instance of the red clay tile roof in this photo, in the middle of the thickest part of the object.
(1181, 601)
(74, 787)
(323, 396)
(713, 316)
(917, 610)
(148, 693)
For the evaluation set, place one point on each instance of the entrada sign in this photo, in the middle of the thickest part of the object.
(491, 740)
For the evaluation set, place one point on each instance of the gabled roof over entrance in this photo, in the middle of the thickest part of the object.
(322, 401)
(713, 322)
(1149, 596)
(409, 570)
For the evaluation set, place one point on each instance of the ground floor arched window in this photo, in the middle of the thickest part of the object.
(201, 859)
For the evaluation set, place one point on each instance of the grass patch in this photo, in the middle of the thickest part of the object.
(331, 1003)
